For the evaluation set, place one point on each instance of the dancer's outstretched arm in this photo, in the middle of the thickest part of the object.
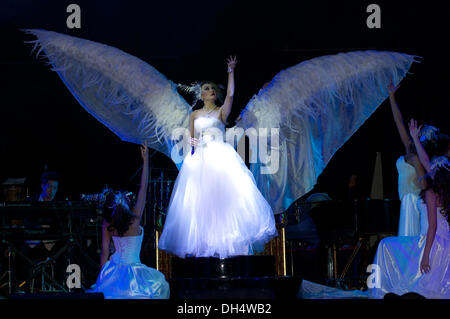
(226, 107)
(142, 195)
(420, 171)
(398, 118)
(423, 156)
(407, 142)
(430, 199)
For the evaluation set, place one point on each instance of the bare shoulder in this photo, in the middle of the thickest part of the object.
(221, 115)
(413, 159)
(106, 231)
(105, 224)
(136, 219)
(134, 229)
(194, 114)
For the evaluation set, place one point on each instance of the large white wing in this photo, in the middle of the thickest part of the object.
(127, 95)
(317, 106)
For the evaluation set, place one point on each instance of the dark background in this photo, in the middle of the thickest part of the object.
(42, 124)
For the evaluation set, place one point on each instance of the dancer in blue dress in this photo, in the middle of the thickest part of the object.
(123, 276)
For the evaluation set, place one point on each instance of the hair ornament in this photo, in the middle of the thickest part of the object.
(437, 164)
(428, 133)
(195, 89)
(120, 198)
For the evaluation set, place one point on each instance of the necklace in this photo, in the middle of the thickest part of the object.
(210, 111)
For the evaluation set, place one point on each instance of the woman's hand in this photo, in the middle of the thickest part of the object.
(231, 62)
(144, 152)
(425, 265)
(194, 141)
(391, 88)
(413, 129)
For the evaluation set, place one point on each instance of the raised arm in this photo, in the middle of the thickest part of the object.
(430, 199)
(142, 195)
(226, 107)
(398, 118)
(423, 156)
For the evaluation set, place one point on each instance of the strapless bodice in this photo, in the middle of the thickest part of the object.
(407, 178)
(208, 128)
(128, 248)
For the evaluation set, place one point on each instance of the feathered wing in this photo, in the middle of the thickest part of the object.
(127, 95)
(317, 106)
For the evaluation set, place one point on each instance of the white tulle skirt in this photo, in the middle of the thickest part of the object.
(131, 281)
(215, 209)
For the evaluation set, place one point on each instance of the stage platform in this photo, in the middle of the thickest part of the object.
(241, 277)
(278, 288)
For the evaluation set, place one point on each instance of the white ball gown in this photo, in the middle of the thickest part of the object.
(398, 259)
(412, 207)
(125, 277)
(215, 209)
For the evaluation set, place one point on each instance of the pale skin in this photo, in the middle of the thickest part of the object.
(423, 156)
(138, 209)
(209, 96)
(410, 157)
(431, 200)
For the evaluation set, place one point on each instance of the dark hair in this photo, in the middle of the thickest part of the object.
(107, 208)
(440, 184)
(116, 211)
(442, 144)
(436, 146)
(49, 176)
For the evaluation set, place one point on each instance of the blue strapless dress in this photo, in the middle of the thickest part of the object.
(125, 277)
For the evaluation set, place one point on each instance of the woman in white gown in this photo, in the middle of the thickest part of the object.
(420, 264)
(123, 276)
(410, 170)
(216, 209)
